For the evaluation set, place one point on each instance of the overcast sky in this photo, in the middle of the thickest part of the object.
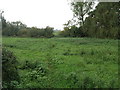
(39, 13)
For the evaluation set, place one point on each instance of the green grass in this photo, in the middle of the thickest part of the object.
(67, 62)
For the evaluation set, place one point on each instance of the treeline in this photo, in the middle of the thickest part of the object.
(19, 29)
(72, 31)
(36, 32)
(103, 22)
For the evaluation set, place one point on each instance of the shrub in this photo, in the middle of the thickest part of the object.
(9, 68)
(36, 69)
(22, 33)
(72, 80)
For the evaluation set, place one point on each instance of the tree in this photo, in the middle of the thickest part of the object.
(4, 23)
(11, 28)
(103, 22)
(74, 27)
(19, 24)
(49, 31)
(80, 10)
(23, 33)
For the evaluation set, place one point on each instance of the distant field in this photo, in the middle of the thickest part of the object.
(65, 62)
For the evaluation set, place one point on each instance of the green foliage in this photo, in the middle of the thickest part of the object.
(11, 29)
(80, 63)
(72, 31)
(23, 33)
(9, 69)
(43, 32)
(103, 21)
(48, 32)
(19, 29)
(80, 10)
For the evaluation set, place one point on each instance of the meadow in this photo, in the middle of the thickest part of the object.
(65, 62)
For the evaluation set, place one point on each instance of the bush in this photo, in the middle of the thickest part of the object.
(22, 33)
(9, 68)
(36, 32)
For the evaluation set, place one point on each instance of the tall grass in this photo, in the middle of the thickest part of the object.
(65, 62)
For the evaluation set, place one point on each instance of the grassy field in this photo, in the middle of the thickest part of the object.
(65, 62)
